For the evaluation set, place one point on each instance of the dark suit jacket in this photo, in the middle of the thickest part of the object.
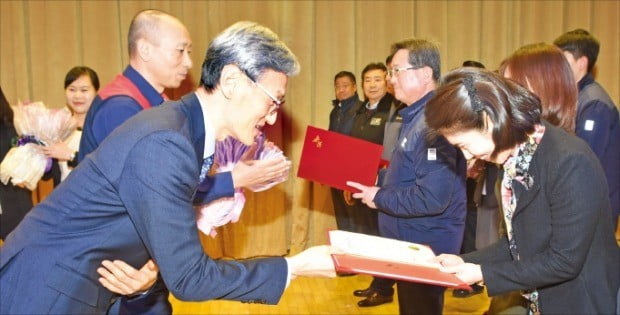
(131, 199)
(563, 230)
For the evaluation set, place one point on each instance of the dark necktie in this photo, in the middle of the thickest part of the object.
(206, 165)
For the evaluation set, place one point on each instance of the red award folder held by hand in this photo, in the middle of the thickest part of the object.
(388, 258)
(332, 159)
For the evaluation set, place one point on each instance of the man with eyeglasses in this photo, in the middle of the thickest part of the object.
(422, 198)
(131, 199)
(159, 48)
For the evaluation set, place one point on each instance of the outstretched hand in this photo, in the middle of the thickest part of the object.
(121, 278)
(466, 272)
(313, 262)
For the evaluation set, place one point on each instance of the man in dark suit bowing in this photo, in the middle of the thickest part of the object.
(131, 199)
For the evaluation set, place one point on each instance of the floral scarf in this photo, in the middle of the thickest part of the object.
(517, 168)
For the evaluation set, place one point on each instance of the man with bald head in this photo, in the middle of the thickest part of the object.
(159, 47)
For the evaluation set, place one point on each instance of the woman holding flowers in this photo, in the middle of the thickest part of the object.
(81, 85)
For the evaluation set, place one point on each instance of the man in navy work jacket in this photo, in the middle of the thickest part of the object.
(598, 121)
(131, 199)
(422, 198)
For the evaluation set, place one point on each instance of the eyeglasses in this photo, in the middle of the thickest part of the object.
(276, 102)
(395, 71)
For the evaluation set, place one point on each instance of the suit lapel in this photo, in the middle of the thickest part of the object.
(525, 197)
(191, 108)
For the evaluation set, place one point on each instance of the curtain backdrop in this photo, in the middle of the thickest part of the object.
(42, 40)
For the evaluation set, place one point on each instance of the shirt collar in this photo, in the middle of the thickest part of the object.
(209, 131)
(152, 96)
(372, 106)
(586, 80)
(346, 103)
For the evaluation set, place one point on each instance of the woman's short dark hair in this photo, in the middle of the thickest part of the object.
(512, 109)
(79, 71)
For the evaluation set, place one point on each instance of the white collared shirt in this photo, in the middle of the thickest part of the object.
(210, 149)
(209, 131)
(372, 106)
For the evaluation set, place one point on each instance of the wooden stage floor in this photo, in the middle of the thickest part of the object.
(325, 296)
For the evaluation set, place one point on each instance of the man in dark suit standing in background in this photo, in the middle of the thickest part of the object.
(131, 199)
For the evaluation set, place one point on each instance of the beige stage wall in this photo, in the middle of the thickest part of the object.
(41, 40)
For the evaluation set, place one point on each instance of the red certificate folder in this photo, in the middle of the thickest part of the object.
(398, 271)
(333, 159)
(351, 261)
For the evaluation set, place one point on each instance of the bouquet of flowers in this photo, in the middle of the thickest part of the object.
(227, 154)
(36, 125)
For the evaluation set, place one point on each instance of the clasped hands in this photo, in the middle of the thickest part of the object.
(259, 172)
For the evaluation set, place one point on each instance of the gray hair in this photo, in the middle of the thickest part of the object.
(252, 47)
(422, 53)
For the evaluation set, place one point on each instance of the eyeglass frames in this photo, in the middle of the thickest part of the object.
(395, 71)
(276, 102)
